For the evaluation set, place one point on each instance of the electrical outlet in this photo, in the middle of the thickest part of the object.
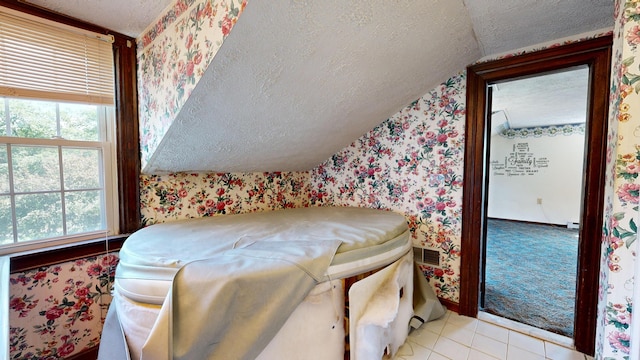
(539, 201)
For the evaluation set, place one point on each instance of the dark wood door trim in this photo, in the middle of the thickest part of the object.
(597, 54)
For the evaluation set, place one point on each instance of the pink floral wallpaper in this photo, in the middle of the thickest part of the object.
(182, 196)
(412, 164)
(172, 57)
(623, 187)
(57, 311)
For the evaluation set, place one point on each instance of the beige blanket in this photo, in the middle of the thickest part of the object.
(230, 306)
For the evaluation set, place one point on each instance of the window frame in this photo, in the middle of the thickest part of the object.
(108, 183)
(127, 160)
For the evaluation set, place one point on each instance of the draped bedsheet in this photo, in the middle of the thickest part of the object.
(230, 305)
(222, 287)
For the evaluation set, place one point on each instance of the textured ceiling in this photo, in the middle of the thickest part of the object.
(501, 26)
(550, 99)
(320, 75)
(296, 81)
(128, 17)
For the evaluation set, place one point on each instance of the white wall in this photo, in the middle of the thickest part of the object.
(524, 170)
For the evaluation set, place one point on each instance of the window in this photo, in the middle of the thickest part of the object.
(57, 148)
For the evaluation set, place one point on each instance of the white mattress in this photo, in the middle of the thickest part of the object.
(151, 256)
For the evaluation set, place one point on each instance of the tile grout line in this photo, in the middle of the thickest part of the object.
(439, 333)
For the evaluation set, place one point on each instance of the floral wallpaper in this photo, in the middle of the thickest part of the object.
(172, 57)
(182, 196)
(411, 164)
(57, 311)
(623, 188)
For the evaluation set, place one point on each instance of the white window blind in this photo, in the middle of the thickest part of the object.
(49, 61)
(57, 134)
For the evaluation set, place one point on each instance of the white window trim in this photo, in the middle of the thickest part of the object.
(108, 181)
(110, 168)
(108, 145)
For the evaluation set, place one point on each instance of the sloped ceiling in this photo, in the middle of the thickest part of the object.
(296, 81)
(321, 74)
(502, 26)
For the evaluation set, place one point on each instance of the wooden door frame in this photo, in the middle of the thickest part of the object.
(597, 54)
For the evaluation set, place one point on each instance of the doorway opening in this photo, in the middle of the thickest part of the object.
(596, 55)
(534, 197)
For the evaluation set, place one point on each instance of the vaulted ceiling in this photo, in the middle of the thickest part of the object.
(296, 81)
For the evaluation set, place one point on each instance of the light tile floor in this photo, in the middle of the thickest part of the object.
(456, 337)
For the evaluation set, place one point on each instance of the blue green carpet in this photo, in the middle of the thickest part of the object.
(531, 274)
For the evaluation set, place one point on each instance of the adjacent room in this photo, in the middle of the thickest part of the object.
(364, 179)
(534, 198)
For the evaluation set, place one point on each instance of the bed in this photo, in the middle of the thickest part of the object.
(319, 282)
